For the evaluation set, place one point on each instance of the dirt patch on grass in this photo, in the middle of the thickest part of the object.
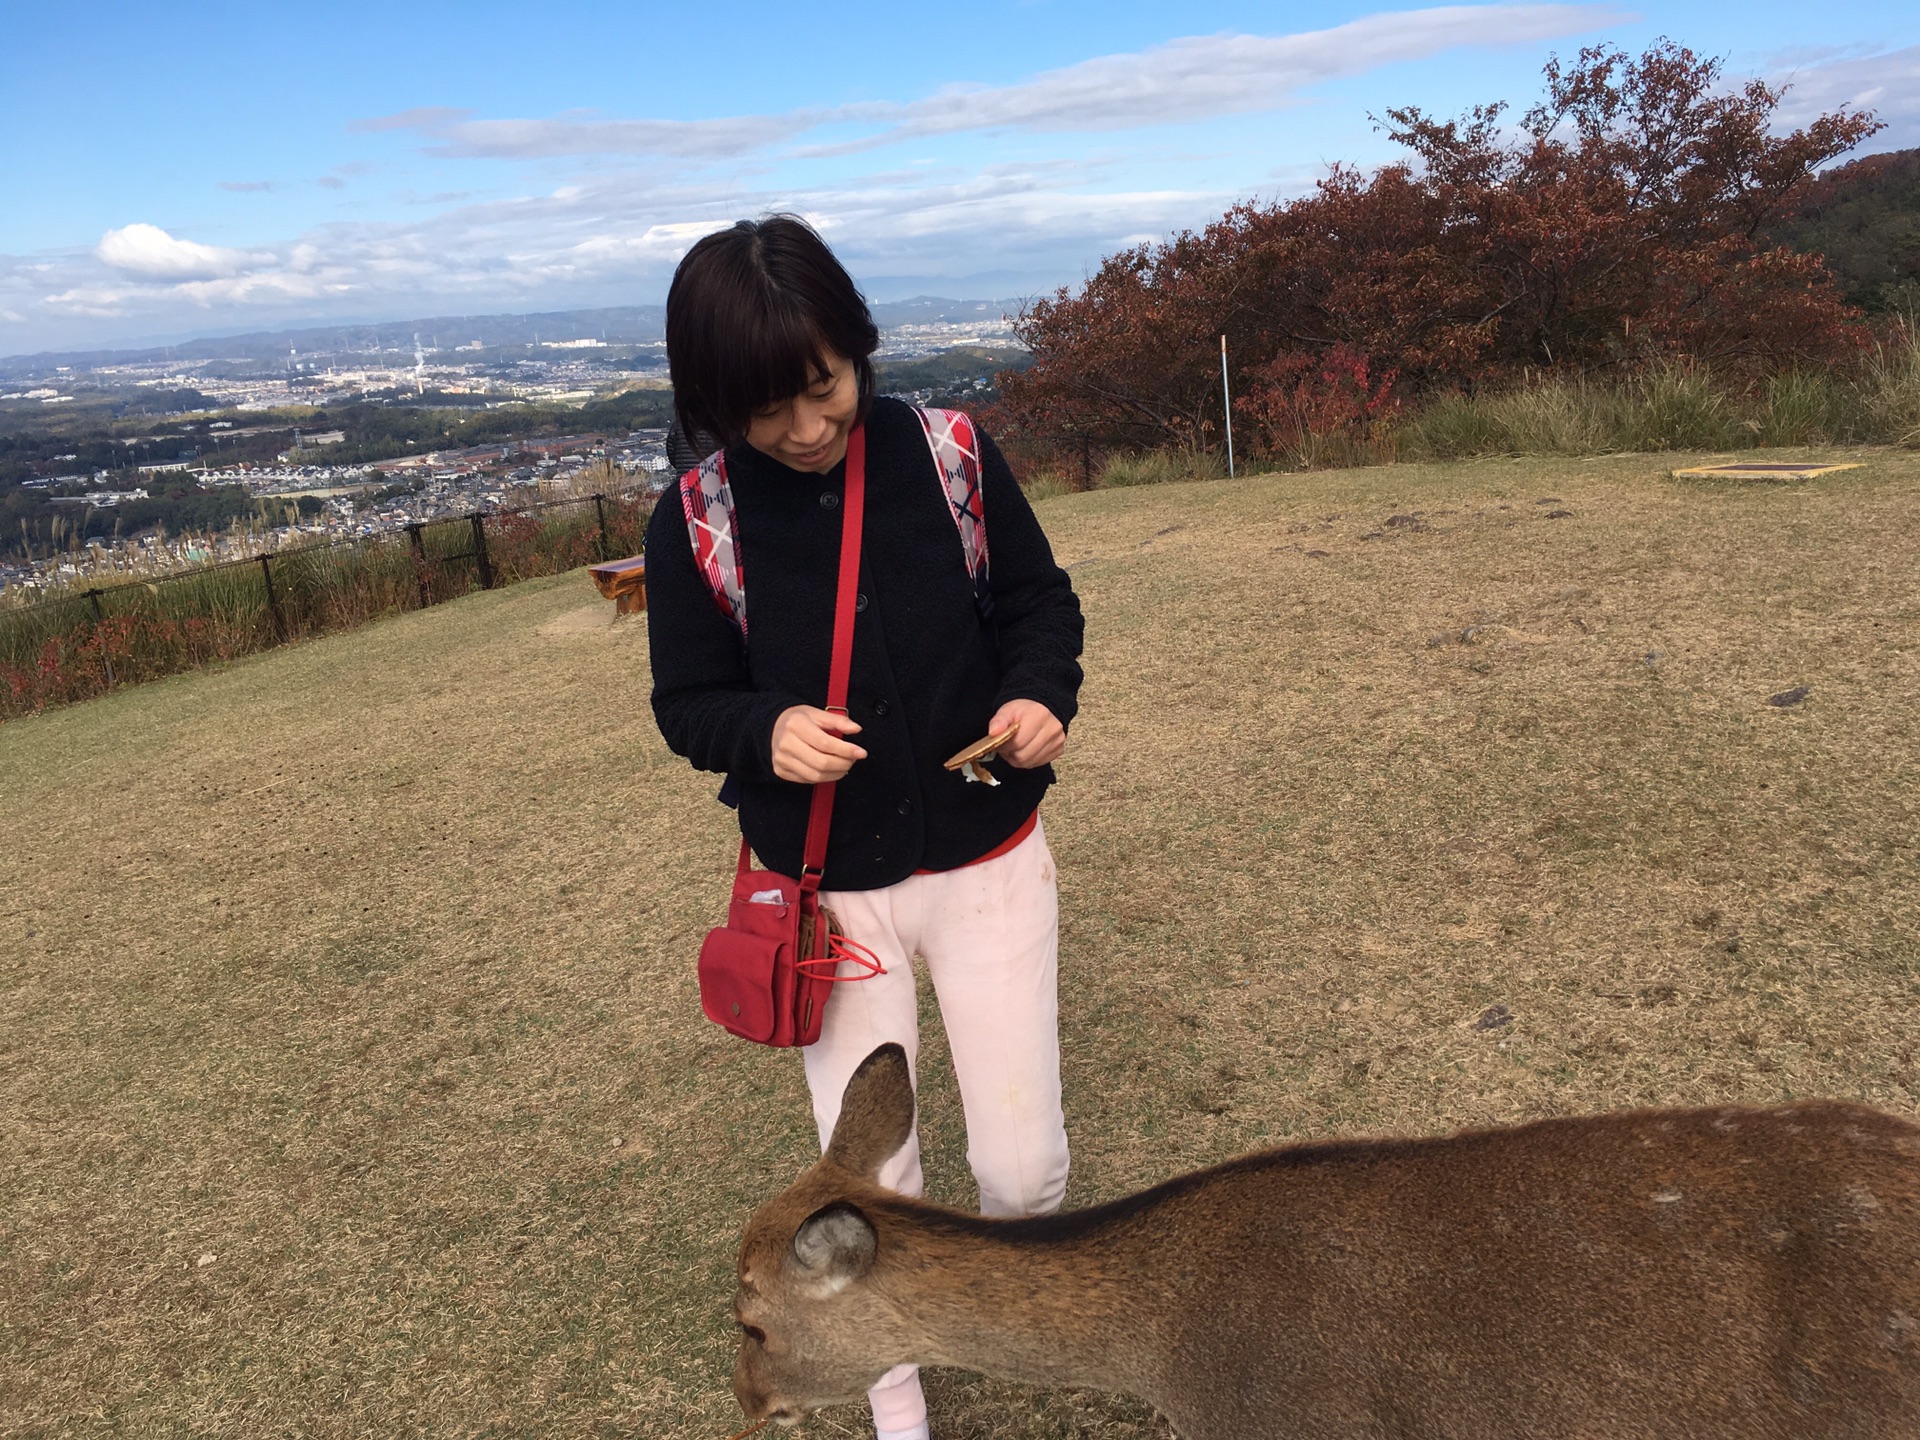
(351, 1072)
(596, 619)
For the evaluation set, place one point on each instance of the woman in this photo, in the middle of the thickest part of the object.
(770, 344)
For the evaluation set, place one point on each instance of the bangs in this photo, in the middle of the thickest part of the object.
(753, 313)
(780, 355)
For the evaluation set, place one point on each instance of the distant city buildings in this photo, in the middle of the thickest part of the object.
(503, 377)
(317, 501)
(910, 342)
(100, 499)
(357, 500)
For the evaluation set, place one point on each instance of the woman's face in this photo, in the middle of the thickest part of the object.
(809, 431)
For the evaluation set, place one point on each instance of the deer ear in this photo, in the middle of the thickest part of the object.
(834, 1246)
(876, 1113)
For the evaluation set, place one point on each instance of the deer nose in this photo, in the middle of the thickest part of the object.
(754, 1402)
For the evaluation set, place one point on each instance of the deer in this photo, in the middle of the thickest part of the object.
(1727, 1273)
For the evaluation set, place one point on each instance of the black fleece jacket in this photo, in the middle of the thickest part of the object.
(928, 672)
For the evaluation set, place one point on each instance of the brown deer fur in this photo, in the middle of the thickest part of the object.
(1682, 1274)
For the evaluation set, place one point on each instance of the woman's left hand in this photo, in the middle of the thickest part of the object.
(1041, 737)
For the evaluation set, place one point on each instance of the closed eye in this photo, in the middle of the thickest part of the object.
(754, 1333)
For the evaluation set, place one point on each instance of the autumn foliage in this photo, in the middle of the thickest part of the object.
(1303, 401)
(1622, 223)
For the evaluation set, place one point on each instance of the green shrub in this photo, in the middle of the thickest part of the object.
(1889, 388)
(1671, 408)
(1674, 407)
(1452, 427)
(1800, 407)
(1562, 417)
(1159, 467)
(1045, 484)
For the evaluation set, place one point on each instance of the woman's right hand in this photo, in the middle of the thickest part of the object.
(807, 747)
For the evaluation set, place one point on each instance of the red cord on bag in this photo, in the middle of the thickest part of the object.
(839, 948)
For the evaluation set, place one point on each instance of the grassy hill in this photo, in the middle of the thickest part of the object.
(352, 1078)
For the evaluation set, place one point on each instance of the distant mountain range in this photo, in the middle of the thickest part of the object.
(619, 325)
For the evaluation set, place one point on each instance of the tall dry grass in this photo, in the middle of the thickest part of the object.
(1680, 407)
(1159, 467)
(1046, 483)
(1672, 407)
(1889, 387)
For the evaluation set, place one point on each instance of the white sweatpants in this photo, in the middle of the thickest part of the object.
(990, 937)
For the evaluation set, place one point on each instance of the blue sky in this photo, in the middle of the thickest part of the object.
(183, 169)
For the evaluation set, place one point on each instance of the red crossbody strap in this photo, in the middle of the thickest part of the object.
(813, 857)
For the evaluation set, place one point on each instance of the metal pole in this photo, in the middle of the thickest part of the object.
(600, 509)
(420, 564)
(1226, 401)
(99, 618)
(273, 601)
(481, 562)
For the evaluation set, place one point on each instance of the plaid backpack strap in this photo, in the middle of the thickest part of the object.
(956, 455)
(707, 500)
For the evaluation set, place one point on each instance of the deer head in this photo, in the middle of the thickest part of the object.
(811, 1318)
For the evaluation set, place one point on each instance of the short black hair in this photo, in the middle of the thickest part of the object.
(752, 311)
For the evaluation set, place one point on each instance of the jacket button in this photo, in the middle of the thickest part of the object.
(905, 807)
(859, 604)
(880, 707)
(829, 500)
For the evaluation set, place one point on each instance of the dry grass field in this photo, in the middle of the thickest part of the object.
(352, 1080)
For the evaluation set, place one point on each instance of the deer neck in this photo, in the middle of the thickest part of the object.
(1039, 1301)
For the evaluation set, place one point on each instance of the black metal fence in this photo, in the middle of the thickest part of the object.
(91, 640)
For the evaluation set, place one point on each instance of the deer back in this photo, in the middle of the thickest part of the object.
(1710, 1273)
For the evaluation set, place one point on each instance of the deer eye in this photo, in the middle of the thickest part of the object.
(754, 1333)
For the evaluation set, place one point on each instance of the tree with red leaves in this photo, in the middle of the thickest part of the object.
(1622, 222)
(1310, 406)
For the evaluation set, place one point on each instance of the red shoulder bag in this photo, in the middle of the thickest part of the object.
(766, 974)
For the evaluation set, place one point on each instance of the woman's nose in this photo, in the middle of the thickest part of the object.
(809, 426)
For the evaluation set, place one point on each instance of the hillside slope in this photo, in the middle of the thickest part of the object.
(1864, 216)
(352, 1079)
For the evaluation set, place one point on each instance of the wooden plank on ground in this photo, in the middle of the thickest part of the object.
(1768, 470)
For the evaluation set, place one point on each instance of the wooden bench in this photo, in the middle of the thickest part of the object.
(624, 582)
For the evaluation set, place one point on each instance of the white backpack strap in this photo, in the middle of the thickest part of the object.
(707, 500)
(956, 455)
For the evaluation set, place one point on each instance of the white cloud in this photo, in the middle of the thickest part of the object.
(1202, 76)
(1887, 84)
(93, 301)
(611, 240)
(1193, 78)
(610, 232)
(546, 139)
(153, 254)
